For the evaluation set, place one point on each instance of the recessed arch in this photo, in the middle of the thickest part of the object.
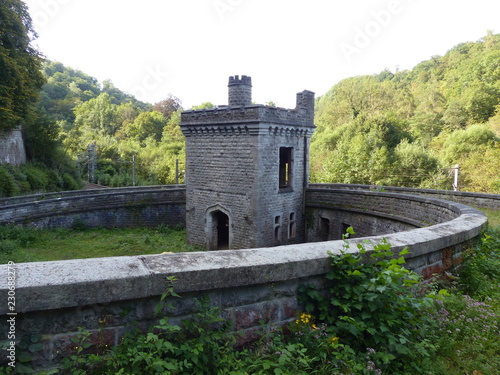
(218, 228)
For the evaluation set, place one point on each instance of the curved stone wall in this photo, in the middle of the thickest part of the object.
(53, 299)
(481, 200)
(122, 207)
(370, 213)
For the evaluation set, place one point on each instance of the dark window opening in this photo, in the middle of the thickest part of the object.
(325, 229)
(292, 229)
(285, 173)
(221, 230)
(277, 229)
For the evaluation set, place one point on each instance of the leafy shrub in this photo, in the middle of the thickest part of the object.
(36, 177)
(200, 345)
(481, 266)
(55, 181)
(22, 235)
(8, 186)
(374, 306)
(467, 335)
(371, 319)
(7, 247)
(69, 182)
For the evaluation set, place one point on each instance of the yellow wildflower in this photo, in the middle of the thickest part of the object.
(334, 340)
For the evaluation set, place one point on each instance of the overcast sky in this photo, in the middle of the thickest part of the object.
(189, 48)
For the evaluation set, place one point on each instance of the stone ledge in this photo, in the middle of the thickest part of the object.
(81, 193)
(493, 200)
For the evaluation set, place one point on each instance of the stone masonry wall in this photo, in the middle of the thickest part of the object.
(412, 210)
(233, 166)
(473, 199)
(147, 207)
(12, 149)
(220, 172)
(275, 202)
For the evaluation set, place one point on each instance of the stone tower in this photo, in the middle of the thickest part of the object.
(247, 170)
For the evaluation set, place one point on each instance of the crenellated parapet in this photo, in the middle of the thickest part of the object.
(302, 116)
(240, 91)
(242, 112)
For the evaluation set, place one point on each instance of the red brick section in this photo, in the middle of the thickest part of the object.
(447, 263)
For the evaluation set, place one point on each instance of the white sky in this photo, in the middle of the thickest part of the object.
(189, 48)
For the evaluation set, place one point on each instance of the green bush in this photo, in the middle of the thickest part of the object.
(55, 181)
(36, 177)
(480, 268)
(371, 319)
(8, 186)
(69, 182)
(375, 306)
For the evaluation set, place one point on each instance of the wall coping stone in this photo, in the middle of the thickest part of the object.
(81, 193)
(447, 194)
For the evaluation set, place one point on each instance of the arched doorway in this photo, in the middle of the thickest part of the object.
(218, 228)
(221, 221)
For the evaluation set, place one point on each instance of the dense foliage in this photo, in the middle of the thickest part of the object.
(410, 127)
(123, 129)
(35, 177)
(20, 82)
(20, 77)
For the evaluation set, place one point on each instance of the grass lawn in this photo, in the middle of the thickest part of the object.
(33, 245)
(493, 217)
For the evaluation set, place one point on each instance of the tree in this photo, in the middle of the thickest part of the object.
(168, 106)
(147, 125)
(97, 115)
(20, 77)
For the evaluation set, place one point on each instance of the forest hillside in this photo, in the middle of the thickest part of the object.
(410, 128)
(129, 135)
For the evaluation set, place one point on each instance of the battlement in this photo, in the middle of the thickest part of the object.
(302, 117)
(241, 111)
(240, 91)
(236, 80)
